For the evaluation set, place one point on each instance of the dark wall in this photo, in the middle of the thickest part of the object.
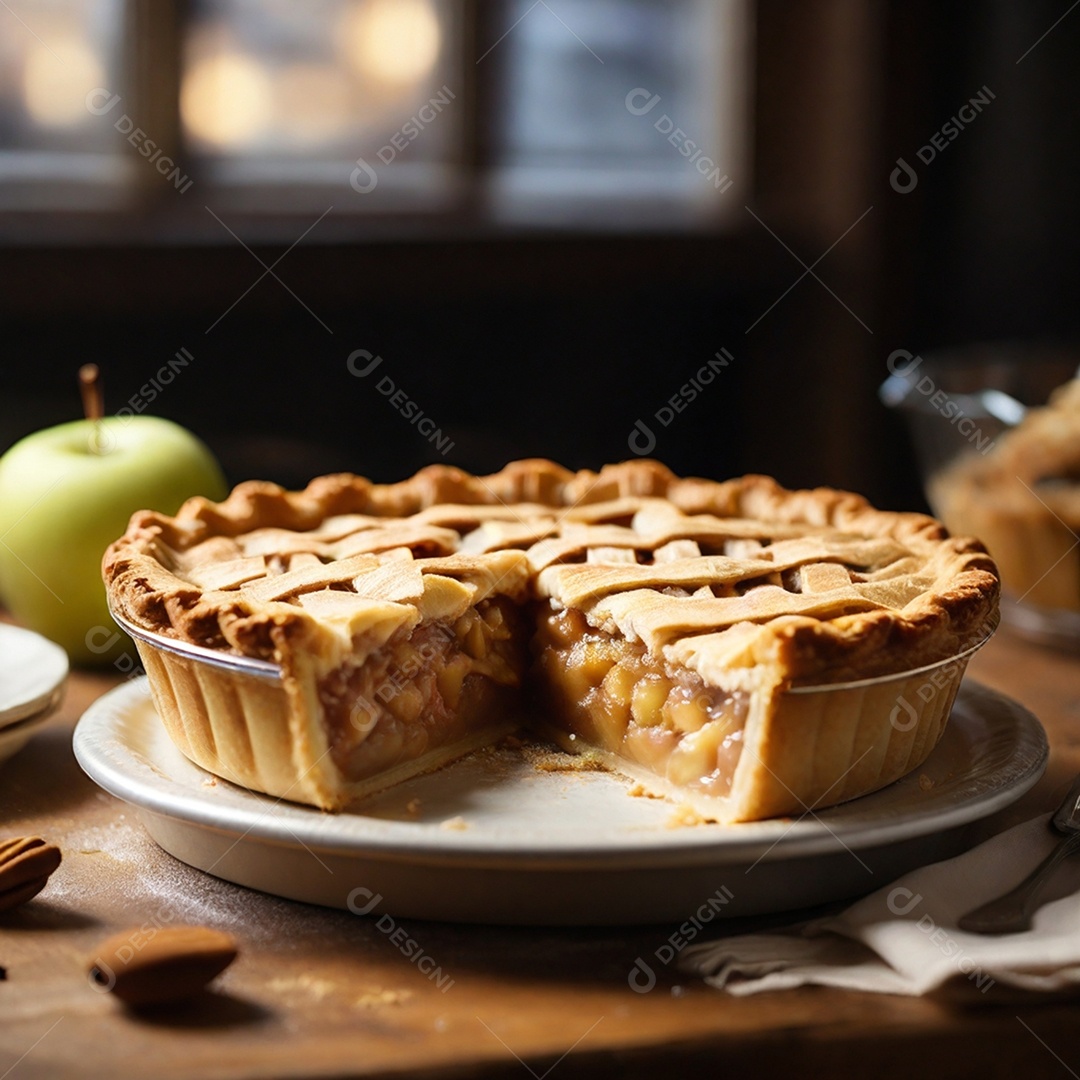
(539, 347)
(541, 344)
(990, 246)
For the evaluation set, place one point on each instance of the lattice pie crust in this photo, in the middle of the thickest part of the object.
(661, 624)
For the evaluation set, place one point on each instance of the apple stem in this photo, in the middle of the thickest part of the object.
(93, 403)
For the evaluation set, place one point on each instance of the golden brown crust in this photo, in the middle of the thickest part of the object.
(930, 597)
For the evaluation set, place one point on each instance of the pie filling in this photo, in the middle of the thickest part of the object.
(447, 681)
(616, 697)
(425, 690)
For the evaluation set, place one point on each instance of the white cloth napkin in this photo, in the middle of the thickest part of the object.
(903, 938)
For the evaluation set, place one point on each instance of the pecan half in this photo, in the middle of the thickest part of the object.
(25, 865)
(167, 964)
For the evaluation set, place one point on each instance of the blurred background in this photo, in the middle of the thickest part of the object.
(373, 234)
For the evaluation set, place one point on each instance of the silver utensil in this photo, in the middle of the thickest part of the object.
(1012, 912)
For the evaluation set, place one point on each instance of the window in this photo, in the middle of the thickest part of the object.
(53, 151)
(628, 104)
(567, 112)
(279, 94)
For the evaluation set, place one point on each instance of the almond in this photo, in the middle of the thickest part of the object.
(25, 865)
(147, 967)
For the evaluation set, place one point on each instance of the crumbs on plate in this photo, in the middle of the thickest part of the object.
(685, 816)
(557, 761)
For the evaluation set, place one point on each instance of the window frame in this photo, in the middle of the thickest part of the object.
(474, 195)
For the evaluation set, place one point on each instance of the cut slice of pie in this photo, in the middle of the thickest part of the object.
(749, 650)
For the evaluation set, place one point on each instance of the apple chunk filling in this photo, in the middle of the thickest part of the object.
(423, 691)
(612, 694)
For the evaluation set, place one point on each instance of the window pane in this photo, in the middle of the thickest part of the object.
(619, 100)
(273, 88)
(53, 55)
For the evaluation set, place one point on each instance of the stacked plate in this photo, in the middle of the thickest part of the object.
(32, 675)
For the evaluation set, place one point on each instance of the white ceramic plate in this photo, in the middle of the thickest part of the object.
(13, 737)
(495, 839)
(32, 674)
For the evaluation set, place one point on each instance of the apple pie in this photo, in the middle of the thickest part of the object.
(748, 650)
(1023, 499)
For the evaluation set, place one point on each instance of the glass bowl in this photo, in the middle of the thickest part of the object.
(958, 406)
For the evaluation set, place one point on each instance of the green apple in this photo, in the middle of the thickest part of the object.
(65, 494)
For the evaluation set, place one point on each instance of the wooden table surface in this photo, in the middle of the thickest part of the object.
(318, 992)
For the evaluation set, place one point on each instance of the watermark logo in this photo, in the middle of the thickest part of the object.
(102, 639)
(141, 399)
(361, 363)
(362, 901)
(102, 976)
(364, 177)
(364, 714)
(642, 438)
(641, 102)
(904, 364)
(642, 977)
(101, 101)
(902, 902)
(149, 391)
(904, 178)
(399, 678)
(904, 715)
